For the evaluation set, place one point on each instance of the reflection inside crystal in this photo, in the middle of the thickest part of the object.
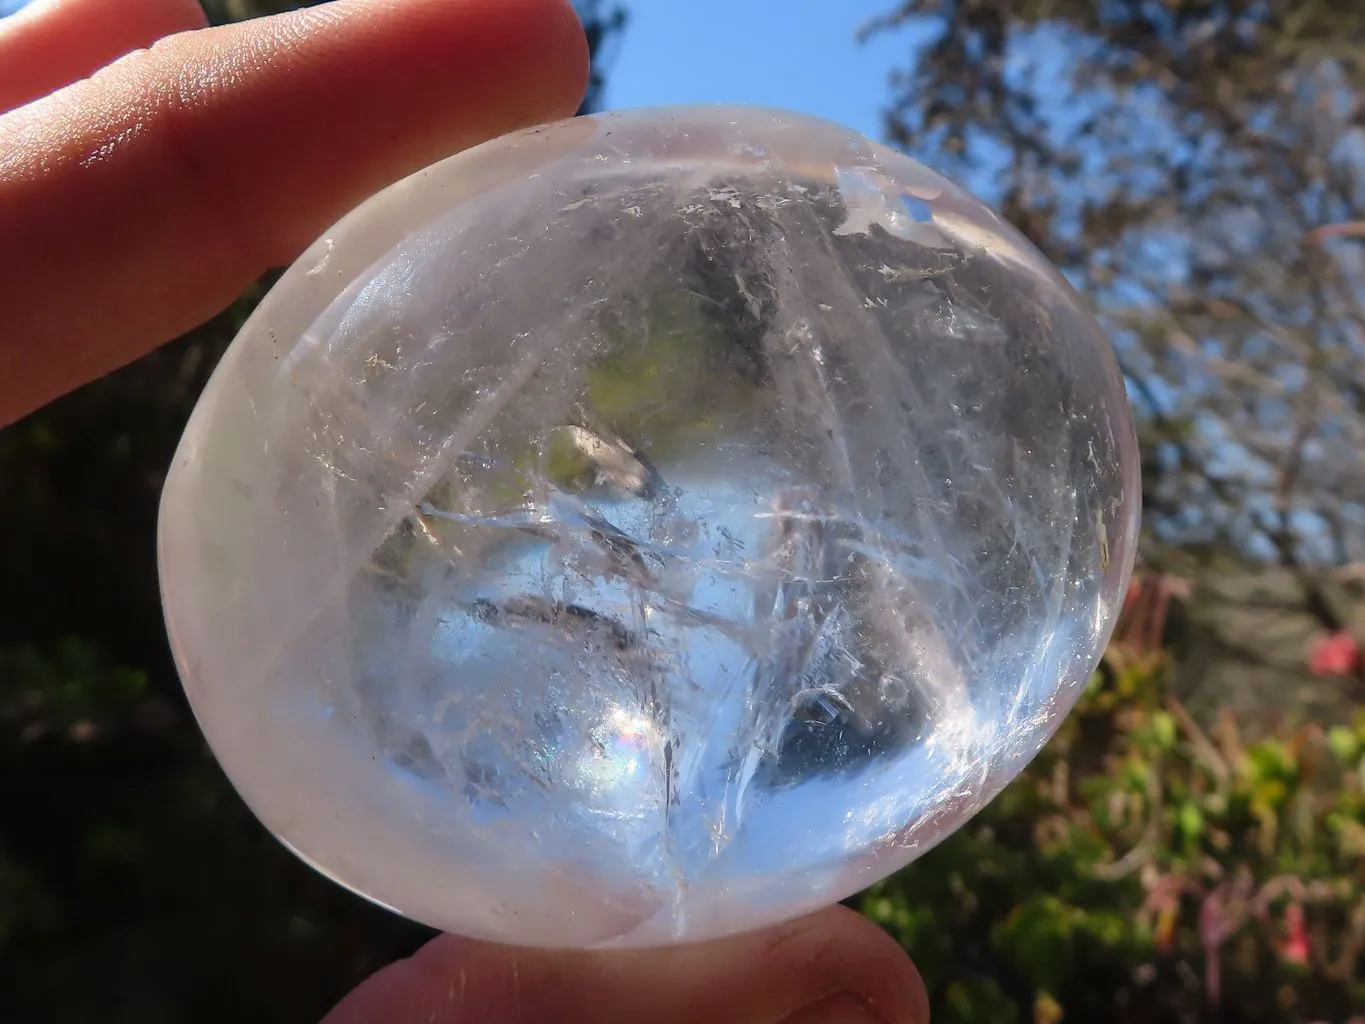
(689, 644)
(636, 550)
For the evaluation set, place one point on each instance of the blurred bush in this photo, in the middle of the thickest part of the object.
(134, 885)
(1145, 868)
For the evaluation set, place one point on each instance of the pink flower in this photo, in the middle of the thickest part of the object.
(1333, 654)
(1295, 946)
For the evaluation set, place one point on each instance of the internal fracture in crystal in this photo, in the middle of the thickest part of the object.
(647, 527)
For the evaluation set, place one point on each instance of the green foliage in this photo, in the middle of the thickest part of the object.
(1145, 869)
(128, 865)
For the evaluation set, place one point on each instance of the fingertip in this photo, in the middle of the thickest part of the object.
(877, 966)
(838, 955)
(833, 960)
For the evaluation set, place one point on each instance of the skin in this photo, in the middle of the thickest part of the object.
(150, 169)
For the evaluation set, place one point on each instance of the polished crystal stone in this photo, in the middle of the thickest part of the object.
(647, 527)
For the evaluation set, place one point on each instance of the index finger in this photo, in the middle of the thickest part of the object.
(137, 203)
(51, 43)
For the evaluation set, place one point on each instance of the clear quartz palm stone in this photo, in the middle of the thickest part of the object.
(647, 527)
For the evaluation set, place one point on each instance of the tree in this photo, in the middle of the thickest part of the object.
(1198, 168)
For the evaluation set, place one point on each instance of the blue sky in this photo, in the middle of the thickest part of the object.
(10, 6)
(758, 51)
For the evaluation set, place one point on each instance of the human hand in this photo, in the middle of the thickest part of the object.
(138, 201)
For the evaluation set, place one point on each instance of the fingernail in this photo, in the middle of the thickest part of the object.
(840, 1009)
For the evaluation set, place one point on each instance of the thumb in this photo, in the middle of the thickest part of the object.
(834, 967)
